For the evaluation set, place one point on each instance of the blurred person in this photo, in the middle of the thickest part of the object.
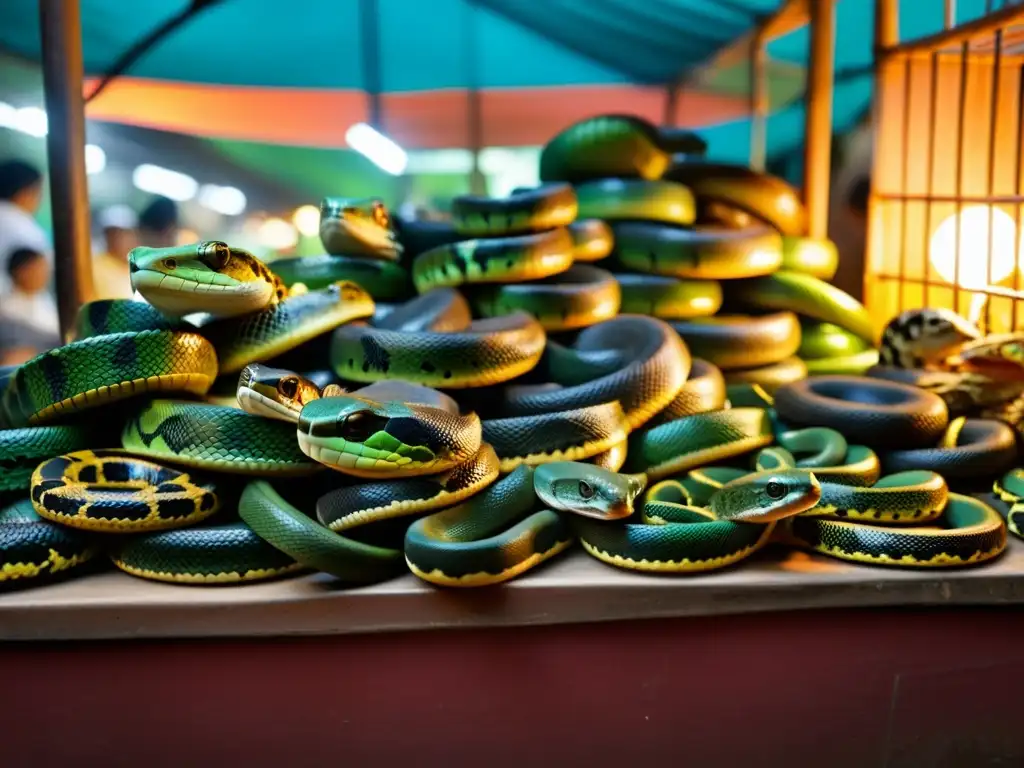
(16, 355)
(857, 198)
(20, 342)
(21, 193)
(158, 223)
(110, 268)
(27, 300)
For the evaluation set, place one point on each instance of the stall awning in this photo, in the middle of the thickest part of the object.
(298, 73)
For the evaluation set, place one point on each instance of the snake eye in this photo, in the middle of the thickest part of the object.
(288, 387)
(215, 254)
(586, 489)
(357, 426)
(170, 263)
(775, 489)
(221, 254)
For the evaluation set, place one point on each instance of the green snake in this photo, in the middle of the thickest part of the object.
(629, 220)
(692, 526)
(547, 207)
(735, 341)
(828, 349)
(383, 280)
(581, 296)
(284, 326)
(516, 524)
(1010, 489)
(21, 450)
(433, 456)
(125, 349)
(452, 352)
(702, 253)
(480, 541)
(475, 542)
(209, 276)
(670, 534)
(358, 227)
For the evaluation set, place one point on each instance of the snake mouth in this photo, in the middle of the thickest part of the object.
(368, 233)
(255, 401)
(363, 460)
(181, 296)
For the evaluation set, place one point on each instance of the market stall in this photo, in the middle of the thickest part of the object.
(617, 435)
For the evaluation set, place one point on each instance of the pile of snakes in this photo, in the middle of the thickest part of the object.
(465, 401)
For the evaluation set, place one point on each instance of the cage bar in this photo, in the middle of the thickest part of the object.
(944, 218)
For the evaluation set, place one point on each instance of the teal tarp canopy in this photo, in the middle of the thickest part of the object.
(855, 20)
(423, 43)
(440, 44)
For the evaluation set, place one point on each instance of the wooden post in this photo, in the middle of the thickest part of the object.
(60, 27)
(886, 36)
(818, 125)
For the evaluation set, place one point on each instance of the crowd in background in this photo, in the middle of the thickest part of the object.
(28, 308)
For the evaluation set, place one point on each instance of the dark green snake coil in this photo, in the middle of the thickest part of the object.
(635, 311)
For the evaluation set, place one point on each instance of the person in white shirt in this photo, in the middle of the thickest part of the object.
(21, 191)
(28, 300)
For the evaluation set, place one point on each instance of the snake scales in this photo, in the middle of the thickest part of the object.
(467, 401)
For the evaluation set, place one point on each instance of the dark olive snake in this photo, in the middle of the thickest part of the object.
(619, 390)
(844, 510)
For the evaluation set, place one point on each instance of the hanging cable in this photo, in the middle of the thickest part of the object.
(143, 46)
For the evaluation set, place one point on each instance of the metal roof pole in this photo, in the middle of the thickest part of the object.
(369, 15)
(61, 30)
(758, 101)
(818, 117)
(671, 103)
(474, 100)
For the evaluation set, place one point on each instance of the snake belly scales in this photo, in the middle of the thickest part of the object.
(468, 402)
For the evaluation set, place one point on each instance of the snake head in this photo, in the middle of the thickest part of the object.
(764, 497)
(274, 392)
(572, 486)
(367, 438)
(998, 356)
(208, 276)
(925, 337)
(358, 227)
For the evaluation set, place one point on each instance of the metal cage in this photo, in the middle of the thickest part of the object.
(944, 216)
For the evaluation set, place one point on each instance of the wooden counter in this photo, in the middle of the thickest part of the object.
(572, 588)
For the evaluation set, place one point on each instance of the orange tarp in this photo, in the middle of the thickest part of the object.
(422, 120)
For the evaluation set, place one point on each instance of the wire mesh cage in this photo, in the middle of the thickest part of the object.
(944, 226)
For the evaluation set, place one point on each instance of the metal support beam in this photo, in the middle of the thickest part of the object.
(791, 15)
(60, 26)
(818, 124)
(369, 18)
(474, 105)
(671, 104)
(758, 103)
